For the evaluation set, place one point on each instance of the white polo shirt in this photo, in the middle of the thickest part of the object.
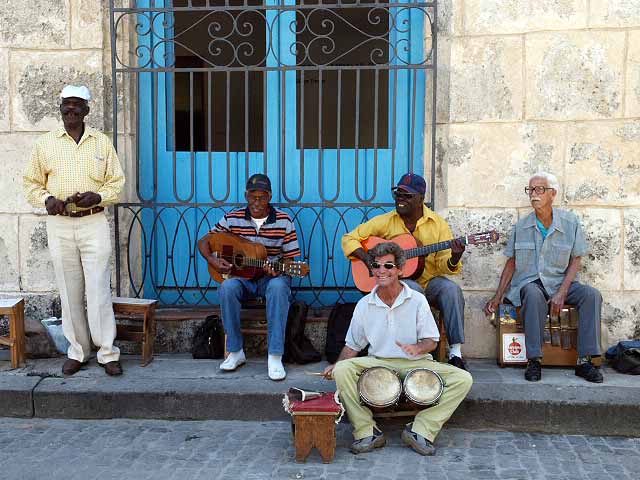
(376, 324)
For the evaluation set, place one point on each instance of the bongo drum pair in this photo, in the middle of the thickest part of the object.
(381, 388)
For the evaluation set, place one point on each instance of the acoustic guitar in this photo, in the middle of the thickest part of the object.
(414, 253)
(248, 258)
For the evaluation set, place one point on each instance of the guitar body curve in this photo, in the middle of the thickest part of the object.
(412, 269)
(234, 249)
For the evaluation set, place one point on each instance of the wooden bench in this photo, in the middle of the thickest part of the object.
(13, 308)
(137, 310)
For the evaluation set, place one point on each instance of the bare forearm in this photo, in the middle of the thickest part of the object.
(505, 278)
(427, 345)
(572, 270)
(347, 353)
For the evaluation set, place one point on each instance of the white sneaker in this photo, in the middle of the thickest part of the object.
(276, 369)
(233, 361)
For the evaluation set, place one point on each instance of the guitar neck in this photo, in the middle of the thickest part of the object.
(428, 249)
(278, 266)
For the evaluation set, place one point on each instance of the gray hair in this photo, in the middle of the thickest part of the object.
(552, 180)
(389, 248)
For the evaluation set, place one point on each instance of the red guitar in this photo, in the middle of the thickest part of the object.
(415, 255)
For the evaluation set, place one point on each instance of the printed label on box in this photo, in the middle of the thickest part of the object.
(513, 348)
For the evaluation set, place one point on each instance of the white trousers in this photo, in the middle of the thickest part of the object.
(81, 252)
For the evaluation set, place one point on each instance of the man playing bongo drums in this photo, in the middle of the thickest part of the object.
(397, 324)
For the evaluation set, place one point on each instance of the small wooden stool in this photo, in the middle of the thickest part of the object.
(137, 309)
(314, 425)
(14, 309)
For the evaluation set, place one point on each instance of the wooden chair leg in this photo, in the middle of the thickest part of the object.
(442, 344)
(16, 332)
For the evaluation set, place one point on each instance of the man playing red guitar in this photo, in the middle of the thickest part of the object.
(411, 216)
(261, 223)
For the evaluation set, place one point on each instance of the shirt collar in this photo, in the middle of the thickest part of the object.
(405, 294)
(427, 214)
(88, 132)
(271, 218)
(556, 224)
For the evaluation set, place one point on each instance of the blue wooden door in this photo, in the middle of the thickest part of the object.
(328, 186)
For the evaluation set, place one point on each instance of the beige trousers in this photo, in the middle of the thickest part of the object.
(81, 253)
(428, 422)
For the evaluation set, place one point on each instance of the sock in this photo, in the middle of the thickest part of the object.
(585, 359)
(454, 350)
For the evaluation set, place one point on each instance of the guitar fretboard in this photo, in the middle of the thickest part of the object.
(428, 249)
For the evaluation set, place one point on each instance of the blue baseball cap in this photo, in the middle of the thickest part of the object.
(412, 183)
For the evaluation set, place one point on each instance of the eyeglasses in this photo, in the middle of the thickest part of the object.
(387, 265)
(538, 189)
(403, 195)
(258, 199)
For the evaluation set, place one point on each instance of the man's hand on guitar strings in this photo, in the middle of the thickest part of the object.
(457, 249)
(219, 264)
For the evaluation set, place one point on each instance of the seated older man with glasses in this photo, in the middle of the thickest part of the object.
(545, 253)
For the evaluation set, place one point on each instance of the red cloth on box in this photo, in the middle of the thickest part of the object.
(325, 403)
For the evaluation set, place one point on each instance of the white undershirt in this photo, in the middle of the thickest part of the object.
(259, 222)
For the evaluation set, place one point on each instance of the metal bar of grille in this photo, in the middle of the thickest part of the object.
(229, 52)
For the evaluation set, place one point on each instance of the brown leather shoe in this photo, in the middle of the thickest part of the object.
(112, 368)
(72, 366)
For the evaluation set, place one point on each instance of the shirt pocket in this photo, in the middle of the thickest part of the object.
(97, 169)
(560, 256)
(525, 254)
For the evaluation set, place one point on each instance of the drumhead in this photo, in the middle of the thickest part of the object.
(379, 387)
(423, 386)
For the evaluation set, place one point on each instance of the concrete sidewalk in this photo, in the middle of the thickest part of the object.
(178, 387)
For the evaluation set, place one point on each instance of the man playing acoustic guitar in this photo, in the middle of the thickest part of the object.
(261, 223)
(412, 217)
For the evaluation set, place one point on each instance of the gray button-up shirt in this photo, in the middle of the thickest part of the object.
(547, 260)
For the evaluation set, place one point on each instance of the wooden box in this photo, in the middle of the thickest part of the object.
(559, 347)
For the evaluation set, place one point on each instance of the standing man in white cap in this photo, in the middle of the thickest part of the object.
(74, 172)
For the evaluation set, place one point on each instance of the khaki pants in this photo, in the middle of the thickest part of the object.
(81, 253)
(427, 423)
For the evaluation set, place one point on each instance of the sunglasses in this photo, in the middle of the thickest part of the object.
(387, 265)
(403, 195)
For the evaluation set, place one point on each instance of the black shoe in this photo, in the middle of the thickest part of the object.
(112, 368)
(457, 362)
(367, 444)
(533, 373)
(72, 366)
(417, 442)
(589, 372)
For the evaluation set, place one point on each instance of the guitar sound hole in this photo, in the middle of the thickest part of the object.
(238, 260)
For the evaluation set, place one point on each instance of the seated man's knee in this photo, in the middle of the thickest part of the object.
(532, 292)
(593, 294)
(451, 290)
(278, 286)
(232, 287)
(343, 370)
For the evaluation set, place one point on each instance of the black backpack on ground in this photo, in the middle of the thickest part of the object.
(337, 327)
(208, 339)
(297, 347)
(625, 357)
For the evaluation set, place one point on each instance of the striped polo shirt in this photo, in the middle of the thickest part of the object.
(277, 234)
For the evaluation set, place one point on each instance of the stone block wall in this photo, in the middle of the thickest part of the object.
(522, 86)
(548, 85)
(44, 44)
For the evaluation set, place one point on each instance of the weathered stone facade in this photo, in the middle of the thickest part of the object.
(523, 86)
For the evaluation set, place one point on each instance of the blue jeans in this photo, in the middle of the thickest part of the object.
(276, 291)
(446, 296)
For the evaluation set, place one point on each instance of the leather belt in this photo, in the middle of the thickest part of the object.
(83, 213)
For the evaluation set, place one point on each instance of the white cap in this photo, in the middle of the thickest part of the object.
(76, 91)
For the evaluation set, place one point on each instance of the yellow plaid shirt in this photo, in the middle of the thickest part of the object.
(60, 167)
(431, 228)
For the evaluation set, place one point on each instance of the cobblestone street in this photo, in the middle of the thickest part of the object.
(149, 449)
